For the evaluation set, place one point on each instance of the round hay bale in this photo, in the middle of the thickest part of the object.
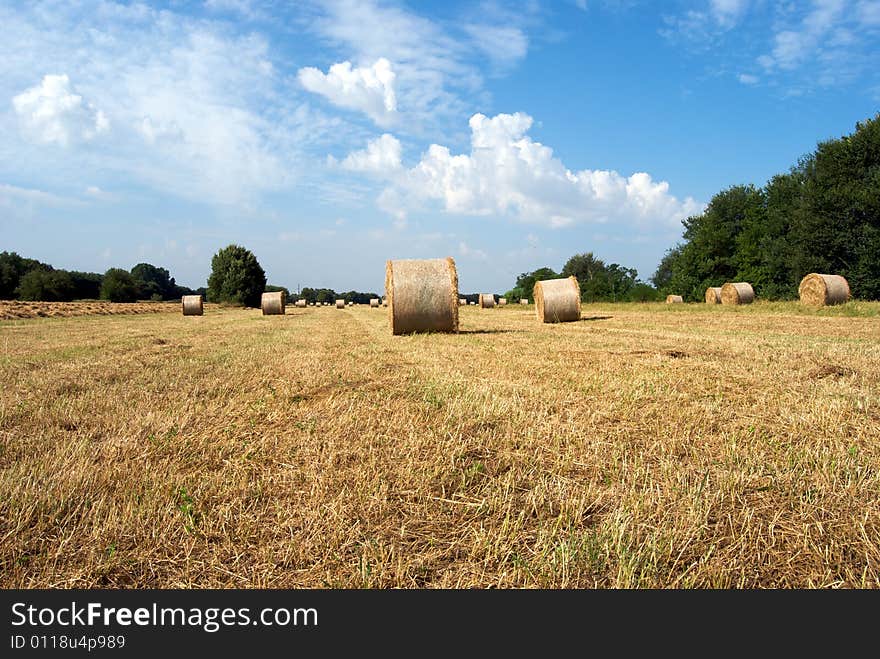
(557, 300)
(301, 303)
(523, 301)
(473, 303)
(273, 304)
(713, 295)
(192, 305)
(821, 290)
(487, 300)
(340, 304)
(350, 303)
(737, 293)
(502, 301)
(422, 295)
(674, 299)
(374, 303)
(462, 302)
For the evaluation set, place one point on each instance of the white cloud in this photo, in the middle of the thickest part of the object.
(505, 45)
(508, 174)
(435, 78)
(748, 79)
(727, 13)
(792, 47)
(367, 89)
(469, 252)
(197, 108)
(52, 112)
(382, 156)
(10, 194)
(868, 12)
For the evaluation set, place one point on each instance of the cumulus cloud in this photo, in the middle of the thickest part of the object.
(747, 79)
(508, 174)
(368, 89)
(382, 156)
(53, 113)
(791, 47)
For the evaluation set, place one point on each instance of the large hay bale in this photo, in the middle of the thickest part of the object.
(674, 299)
(557, 300)
(374, 303)
(821, 290)
(713, 295)
(502, 301)
(422, 295)
(523, 301)
(340, 304)
(487, 300)
(192, 305)
(273, 304)
(737, 293)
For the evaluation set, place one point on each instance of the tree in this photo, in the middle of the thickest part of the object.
(591, 274)
(236, 277)
(525, 283)
(12, 268)
(153, 281)
(119, 286)
(46, 285)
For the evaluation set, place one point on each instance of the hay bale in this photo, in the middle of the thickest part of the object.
(273, 304)
(557, 300)
(502, 301)
(674, 299)
(487, 301)
(374, 303)
(713, 295)
(350, 303)
(737, 293)
(301, 303)
(821, 290)
(340, 304)
(192, 305)
(462, 302)
(523, 301)
(422, 295)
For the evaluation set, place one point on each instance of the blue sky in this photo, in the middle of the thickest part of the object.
(328, 137)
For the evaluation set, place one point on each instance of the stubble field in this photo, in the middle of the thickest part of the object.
(644, 446)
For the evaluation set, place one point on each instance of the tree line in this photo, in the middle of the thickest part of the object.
(599, 281)
(823, 215)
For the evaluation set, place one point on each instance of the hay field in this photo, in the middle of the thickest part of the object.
(644, 446)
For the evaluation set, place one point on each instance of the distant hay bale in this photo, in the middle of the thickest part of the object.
(487, 300)
(300, 303)
(713, 295)
(737, 293)
(674, 299)
(422, 295)
(192, 305)
(462, 301)
(374, 303)
(350, 303)
(557, 300)
(340, 304)
(273, 304)
(821, 290)
(523, 301)
(502, 301)
(473, 303)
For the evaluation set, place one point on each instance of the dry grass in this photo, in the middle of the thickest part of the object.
(644, 446)
(14, 309)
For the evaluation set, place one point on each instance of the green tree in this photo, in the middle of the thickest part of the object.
(525, 283)
(46, 285)
(119, 286)
(236, 277)
(153, 281)
(12, 268)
